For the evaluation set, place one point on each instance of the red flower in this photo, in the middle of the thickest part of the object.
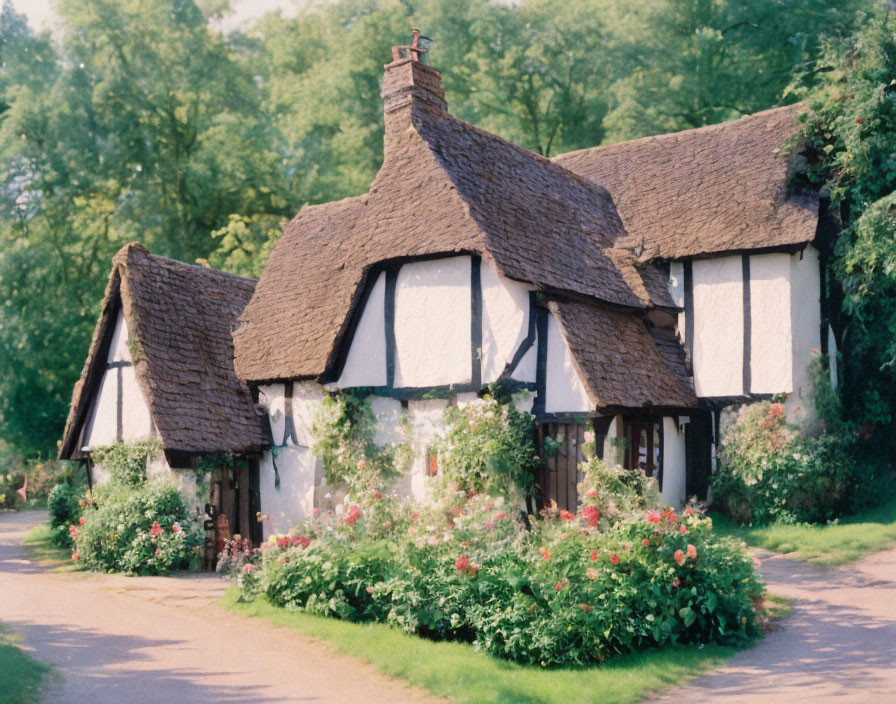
(684, 531)
(585, 608)
(353, 512)
(566, 515)
(591, 515)
(560, 586)
(678, 557)
(156, 529)
(415, 516)
(614, 558)
(645, 542)
(653, 516)
(73, 531)
(594, 554)
(692, 552)
(689, 511)
(76, 556)
(82, 520)
(462, 563)
(249, 568)
(283, 541)
(377, 495)
(176, 528)
(592, 493)
(860, 121)
(304, 542)
(501, 515)
(544, 553)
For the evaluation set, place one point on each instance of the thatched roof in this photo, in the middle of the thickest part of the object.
(619, 362)
(445, 187)
(179, 318)
(723, 188)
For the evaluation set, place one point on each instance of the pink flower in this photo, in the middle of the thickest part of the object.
(369, 589)
(176, 527)
(249, 568)
(560, 586)
(683, 530)
(676, 582)
(645, 542)
(544, 553)
(501, 515)
(76, 556)
(82, 520)
(362, 464)
(352, 515)
(689, 511)
(594, 554)
(592, 573)
(156, 529)
(489, 524)
(614, 558)
(73, 531)
(692, 552)
(678, 557)
(462, 563)
(415, 516)
(653, 516)
(757, 562)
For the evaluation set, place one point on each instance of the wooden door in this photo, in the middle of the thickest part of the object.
(560, 447)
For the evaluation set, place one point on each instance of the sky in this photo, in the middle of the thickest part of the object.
(41, 16)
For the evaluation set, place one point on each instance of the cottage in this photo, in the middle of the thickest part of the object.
(160, 365)
(472, 261)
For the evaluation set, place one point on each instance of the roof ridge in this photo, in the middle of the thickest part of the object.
(123, 257)
(715, 127)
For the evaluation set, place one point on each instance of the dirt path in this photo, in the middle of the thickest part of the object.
(838, 645)
(116, 639)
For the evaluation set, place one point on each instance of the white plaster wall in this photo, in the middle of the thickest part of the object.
(718, 326)
(611, 450)
(389, 414)
(676, 289)
(365, 364)
(300, 471)
(505, 320)
(466, 398)
(771, 358)
(805, 304)
(832, 357)
(426, 419)
(674, 491)
(135, 417)
(432, 323)
(525, 370)
(523, 401)
(565, 392)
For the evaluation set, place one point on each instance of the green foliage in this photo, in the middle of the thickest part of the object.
(65, 503)
(344, 430)
(850, 139)
(569, 592)
(22, 675)
(142, 529)
(126, 463)
(771, 471)
(487, 446)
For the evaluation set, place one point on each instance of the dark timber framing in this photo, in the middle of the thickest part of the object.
(748, 324)
(476, 321)
(541, 363)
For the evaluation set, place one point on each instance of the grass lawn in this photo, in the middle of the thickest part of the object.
(43, 550)
(457, 671)
(845, 541)
(20, 675)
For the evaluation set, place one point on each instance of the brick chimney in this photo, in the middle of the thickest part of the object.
(409, 84)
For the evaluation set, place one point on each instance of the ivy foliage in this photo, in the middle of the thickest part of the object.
(344, 430)
(126, 464)
(850, 144)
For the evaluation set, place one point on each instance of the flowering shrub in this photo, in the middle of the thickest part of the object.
(65, 503)
(143, 529)
(770, 470)
(573, 589)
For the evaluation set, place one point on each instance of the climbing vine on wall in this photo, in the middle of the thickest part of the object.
(126, 464)
(488, 447)
(344, 432)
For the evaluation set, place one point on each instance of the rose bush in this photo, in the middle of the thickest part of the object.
(567, 589)
(138, 529)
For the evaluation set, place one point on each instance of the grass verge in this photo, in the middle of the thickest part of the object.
(40, 545)
(21, 675)
(844, 541)
(457, 671)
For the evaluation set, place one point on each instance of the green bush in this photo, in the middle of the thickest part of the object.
(65, 503)
(571, 590)
(771, 471)
(142, 529)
